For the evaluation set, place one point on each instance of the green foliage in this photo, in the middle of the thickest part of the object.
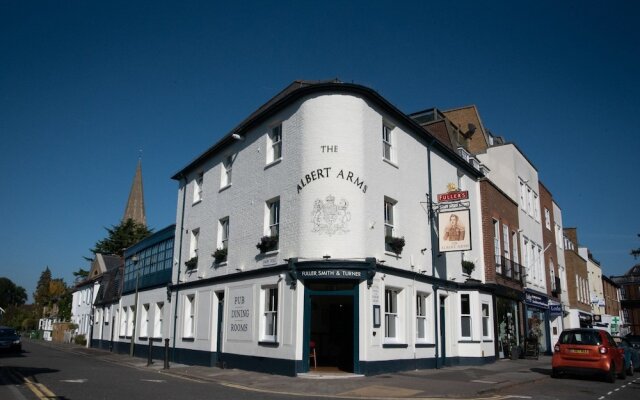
(81, 273)
(468, 267)
(41, 296)
(636, 252)
(11, 294)
(267, 243)
(220, 255)
(17, 316)
(192, 263)
(395, 244)
(80, 339)
(120, 237)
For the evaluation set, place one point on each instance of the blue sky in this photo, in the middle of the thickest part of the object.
(84, 85)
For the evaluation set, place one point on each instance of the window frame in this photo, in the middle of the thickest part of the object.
(486, 320)
(158, 319)
(269, 314)
(189, 320)
(387, 142)
(390, 218)
(273, 217)
(227, 171)
(421, 316)
(274, 144)
(392, 320)
(223, 233)
(465, 316)
(198, 188)
(144, 321)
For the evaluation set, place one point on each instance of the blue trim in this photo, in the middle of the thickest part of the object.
(388, 366)
(425, 345)
(394, 345)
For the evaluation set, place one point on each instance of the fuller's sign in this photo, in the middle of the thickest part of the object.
(453, 196)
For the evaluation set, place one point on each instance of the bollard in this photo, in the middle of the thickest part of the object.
(150, 352)
(166, 354)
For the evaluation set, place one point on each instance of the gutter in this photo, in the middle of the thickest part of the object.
(175, 310)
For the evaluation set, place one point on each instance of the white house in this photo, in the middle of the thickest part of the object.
(84, 294)
(289, 251)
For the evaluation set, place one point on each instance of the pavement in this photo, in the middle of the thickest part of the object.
(459, 382)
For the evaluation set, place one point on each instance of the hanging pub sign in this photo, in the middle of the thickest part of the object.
(454, 230)
(453, 196)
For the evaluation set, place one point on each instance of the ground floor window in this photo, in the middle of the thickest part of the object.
(270, 314)
(391, 314)
(421, 316)
(465, 316)
(536, 323)
(189, 316)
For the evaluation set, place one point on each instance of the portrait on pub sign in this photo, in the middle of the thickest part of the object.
(454, 230)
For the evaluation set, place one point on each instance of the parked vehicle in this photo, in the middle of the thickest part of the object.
(9, 340)
(631, 355)
(635, 340)
(586, 352)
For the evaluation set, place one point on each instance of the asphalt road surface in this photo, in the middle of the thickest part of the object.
(43, 372)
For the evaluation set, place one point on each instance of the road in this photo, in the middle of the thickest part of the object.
(52, 373)
(576, 388)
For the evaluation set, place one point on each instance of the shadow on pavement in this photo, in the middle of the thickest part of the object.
(26, 372)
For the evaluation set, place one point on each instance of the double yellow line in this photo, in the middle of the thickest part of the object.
(40, 390)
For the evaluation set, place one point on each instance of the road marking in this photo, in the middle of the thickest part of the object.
(74, 380)
(153, 380)
(479, 381)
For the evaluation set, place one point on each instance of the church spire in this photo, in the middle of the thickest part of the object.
(135, 204)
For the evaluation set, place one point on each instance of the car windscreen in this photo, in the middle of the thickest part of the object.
(580, 337)
(7, 332)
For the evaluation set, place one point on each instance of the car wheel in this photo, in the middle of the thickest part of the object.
(631, 368)
(611, 376)
(555, 373)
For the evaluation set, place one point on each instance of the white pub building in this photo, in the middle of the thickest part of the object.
(311, 236)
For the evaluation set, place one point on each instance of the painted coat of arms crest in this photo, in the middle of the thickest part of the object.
(330, 217)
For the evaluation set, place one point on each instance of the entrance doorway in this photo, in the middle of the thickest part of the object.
(331, 330)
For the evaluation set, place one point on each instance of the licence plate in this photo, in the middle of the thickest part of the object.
(578, 351)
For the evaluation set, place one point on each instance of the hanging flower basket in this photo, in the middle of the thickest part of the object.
(192, 263)
(395, 244)
(220, 255)
(468, 267)
(267, 243)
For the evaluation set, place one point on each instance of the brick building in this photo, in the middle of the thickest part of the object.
(577, 283)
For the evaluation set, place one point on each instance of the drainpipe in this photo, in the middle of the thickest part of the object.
(433, 235)
(175, 310)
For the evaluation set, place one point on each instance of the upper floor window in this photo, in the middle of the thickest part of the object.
(389, 220)
(274, 150)
(274, 217)
(547, 218)
(536, 207)
(193, 246)
(197, 187)
(387, 140)
(496, 245)
(523, 195)
(227, 166)
(223, 233)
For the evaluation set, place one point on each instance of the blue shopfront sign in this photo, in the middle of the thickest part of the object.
(555, 310)
(536, 300)
(338, 273)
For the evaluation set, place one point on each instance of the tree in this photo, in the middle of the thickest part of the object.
(81, 273)
(41, 296)
(636, 252)
(11, 294)
(120, 237)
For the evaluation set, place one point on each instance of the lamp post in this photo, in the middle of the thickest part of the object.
(134, 259)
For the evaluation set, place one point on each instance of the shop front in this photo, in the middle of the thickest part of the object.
(508, 318)
(537, 319)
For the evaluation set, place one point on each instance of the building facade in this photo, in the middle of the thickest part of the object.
(313, 227)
